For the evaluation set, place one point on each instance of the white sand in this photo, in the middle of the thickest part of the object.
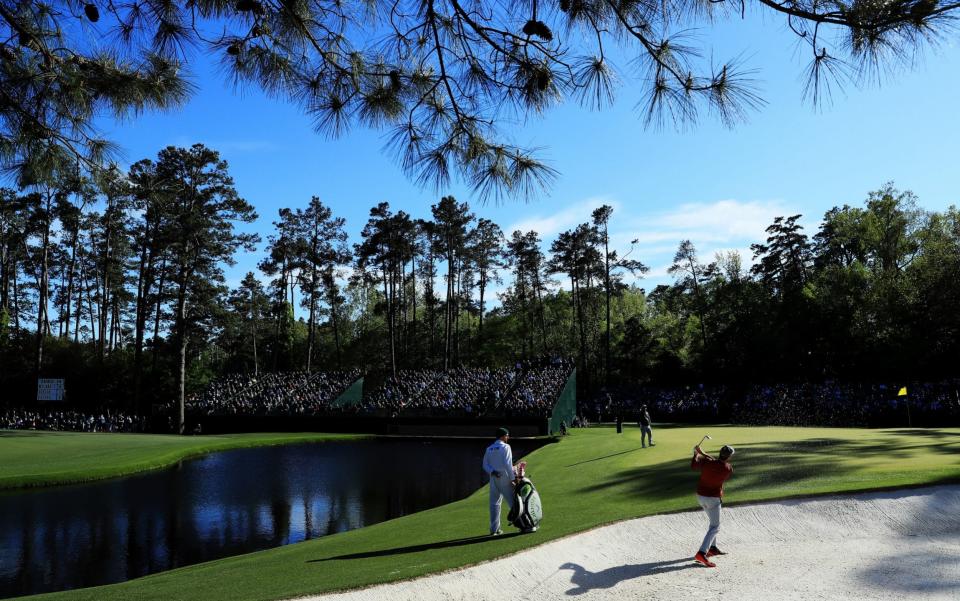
(887, 545)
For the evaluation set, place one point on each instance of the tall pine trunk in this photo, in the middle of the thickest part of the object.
(156, 320)
(606, 251)
(144, 277)
(413, 283)
(256, 363)
(78, 305)
(311, 325)
(70, 276)
(105, 304)
(483, 286)
(696, 290)
(336, 332)
(458, 290)
(387, 295)
(540, 314)
(16, 297)
(181, 386)
(181, 322)
(43, 285)
(448, 314)
(583, 332)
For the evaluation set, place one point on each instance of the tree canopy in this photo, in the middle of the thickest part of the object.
(122, 288)
(439, 77)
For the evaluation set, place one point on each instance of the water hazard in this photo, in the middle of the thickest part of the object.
(224, 504)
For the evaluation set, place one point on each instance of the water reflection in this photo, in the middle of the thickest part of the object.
(223, 504)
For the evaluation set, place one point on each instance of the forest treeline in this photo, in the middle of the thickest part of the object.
(116, 283)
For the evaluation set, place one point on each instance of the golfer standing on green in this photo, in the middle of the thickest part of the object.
(498, 463)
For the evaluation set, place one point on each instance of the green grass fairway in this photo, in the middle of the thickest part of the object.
(590, 478)
(29, 458)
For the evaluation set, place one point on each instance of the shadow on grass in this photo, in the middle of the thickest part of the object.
(457, 542)
(762, 465)
(604, 457)
(587, 581)
(927, 433)
(23, 433)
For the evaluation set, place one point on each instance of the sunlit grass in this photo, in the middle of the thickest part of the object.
(590, 478)
(31, 458)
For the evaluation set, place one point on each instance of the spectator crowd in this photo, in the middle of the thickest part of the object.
(285, 393)
(850, 404)
(398, 391)
(830, 403)
(531, 389)
(70, 421)
(528, 389)
(538, 389)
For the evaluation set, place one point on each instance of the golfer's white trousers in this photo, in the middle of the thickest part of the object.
(711, 505)
(500, 488)
(646, 432)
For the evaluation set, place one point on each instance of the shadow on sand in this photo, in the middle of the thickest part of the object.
(587, 581)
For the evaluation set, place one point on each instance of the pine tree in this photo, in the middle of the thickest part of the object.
(204, 209)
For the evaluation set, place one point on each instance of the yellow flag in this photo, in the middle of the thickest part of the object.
(903, 391)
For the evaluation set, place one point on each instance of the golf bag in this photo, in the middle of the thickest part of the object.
(527, 510)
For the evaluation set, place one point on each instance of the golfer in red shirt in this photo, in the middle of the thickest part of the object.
(713, 473)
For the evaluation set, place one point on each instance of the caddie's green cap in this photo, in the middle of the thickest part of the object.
(502, 432)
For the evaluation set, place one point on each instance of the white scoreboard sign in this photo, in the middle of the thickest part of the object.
(50, 389)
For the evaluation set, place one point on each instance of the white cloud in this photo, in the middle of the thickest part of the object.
(713, 227)
(721, 222)
(724, 219)
(548, 226)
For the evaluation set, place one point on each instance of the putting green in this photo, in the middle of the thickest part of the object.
(589, 478)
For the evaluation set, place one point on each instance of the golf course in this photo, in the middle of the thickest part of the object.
(590, 478)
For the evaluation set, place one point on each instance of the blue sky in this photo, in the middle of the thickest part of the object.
(716, 186)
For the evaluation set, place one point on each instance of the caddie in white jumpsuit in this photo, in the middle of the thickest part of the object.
(498, 463)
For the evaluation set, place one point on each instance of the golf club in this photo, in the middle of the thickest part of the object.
(705, 437)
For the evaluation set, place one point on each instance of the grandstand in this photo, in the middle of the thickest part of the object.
(464, 401)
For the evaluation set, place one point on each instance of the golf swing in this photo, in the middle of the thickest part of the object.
(713, 473)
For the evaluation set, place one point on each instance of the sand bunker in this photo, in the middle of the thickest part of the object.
(886, 545)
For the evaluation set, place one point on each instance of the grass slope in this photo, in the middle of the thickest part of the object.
(590, 478)
(29, 458)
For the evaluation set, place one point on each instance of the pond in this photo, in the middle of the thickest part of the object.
(224, 504)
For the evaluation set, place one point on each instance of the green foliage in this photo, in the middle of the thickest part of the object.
(4, 326)
(439, 77)
(872, 295)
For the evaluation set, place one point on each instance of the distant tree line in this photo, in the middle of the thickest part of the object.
(116, 282)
